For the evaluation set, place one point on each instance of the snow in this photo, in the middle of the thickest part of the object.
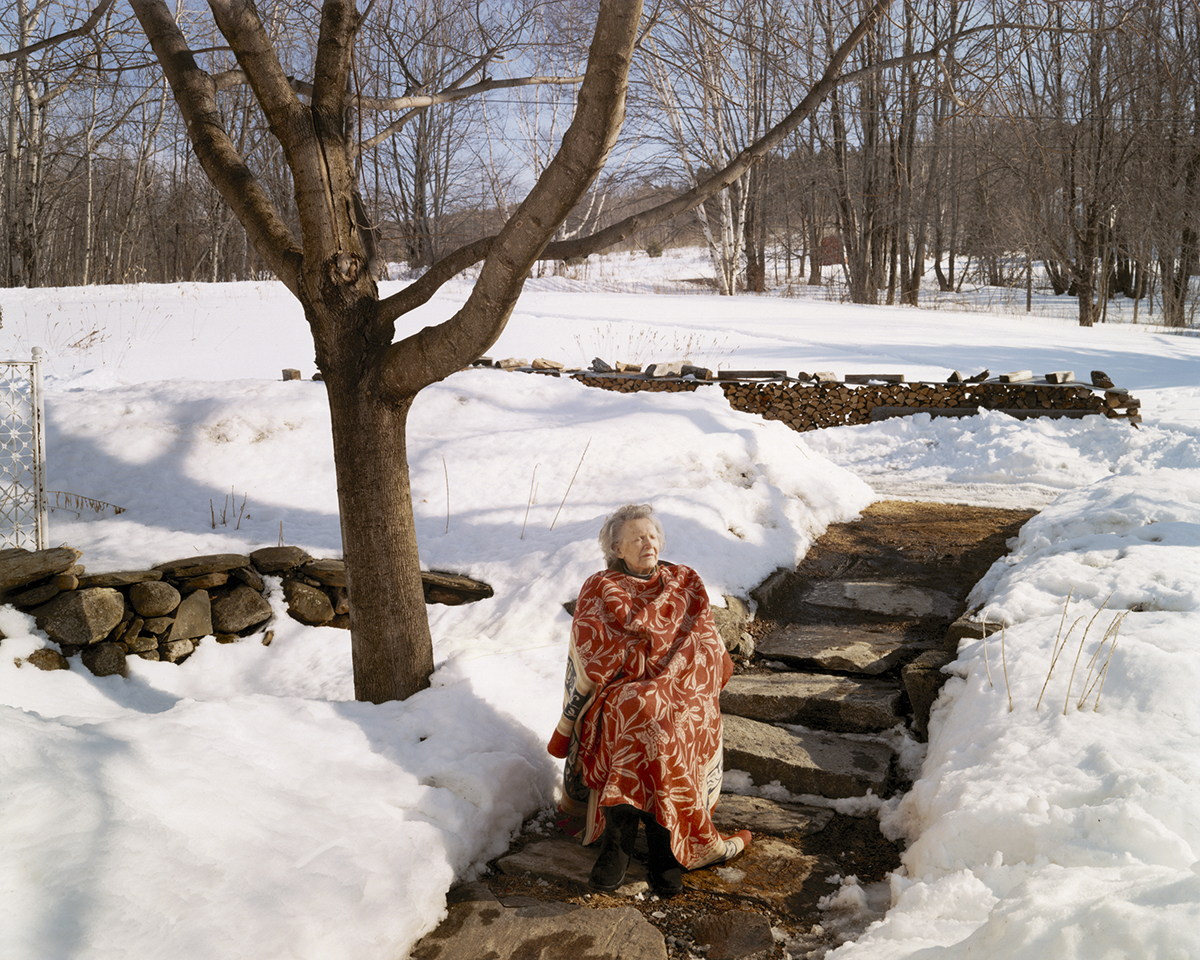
(243, 805)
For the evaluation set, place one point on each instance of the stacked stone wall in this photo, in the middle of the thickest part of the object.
(161, 613)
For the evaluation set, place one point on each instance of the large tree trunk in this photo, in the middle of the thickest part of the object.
(390, 640)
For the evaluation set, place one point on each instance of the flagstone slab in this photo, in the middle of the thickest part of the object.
(568, 861)
(851, 649)
(888, 597)
(762, 816)
(770, 872)
(845, 704)
(478, 926)
(813, 762)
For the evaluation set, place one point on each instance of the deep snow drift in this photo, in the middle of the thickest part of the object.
(242, 805)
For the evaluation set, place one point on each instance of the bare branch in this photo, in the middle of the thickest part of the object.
(82, 30)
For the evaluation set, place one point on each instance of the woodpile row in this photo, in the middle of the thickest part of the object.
(634, 384)
(813, 405)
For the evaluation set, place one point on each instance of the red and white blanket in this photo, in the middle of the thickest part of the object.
(641, 722)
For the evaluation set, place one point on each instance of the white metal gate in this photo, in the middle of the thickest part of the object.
(22, 454)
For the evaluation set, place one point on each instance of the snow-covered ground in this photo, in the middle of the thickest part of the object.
(242, 805)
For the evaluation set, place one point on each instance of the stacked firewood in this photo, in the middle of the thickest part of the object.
(632, 383)
(812, 405)
(812, 401)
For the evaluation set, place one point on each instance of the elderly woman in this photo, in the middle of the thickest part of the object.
(641, 726)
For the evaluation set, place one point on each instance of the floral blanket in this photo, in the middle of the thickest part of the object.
(641, 723)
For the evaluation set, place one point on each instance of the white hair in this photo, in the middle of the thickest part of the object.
(610, 533)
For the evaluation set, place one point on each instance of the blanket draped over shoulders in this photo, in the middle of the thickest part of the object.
(644, 675)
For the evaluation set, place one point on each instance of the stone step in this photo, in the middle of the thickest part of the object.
(844, 704)
(480, 925)
(850, 649)
(769, 817)
(813, 762)
(888, 597)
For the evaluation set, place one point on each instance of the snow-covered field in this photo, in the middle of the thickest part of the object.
(242, 805)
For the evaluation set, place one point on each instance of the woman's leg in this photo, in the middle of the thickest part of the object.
(666, 874)
(616, 847)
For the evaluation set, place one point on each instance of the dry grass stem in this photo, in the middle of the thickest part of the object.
(986, 664)
(446, 471)
(1078, 653)
(1110, 634)
(1060, 643)
(1004, 664)
(571, 484)
(529, 502)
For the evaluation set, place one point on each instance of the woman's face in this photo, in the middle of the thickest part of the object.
(637, 544)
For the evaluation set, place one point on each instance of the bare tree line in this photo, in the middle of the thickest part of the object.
(1066, 140)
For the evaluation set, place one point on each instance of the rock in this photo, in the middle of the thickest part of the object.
(307, 604)
(173, 651)
(452, 589)
(122, 578)
(19, 567)
(731, 621)
(599, 366)
(193, 618)
(142, 643)
(568, 861)
(154, 598)
(762, 816)
(923, 680)
(964, 629)
(48, 659)
(478, 925)
(767, 593)
(66, 581)
(955, 377)
(190, 567)
(104, 659)
(1101, 379)
(207, 581)
(33, 596)
(733, 934)
(828, 702)
(250, 577)
(82, 616)
(512, 363)
(331, 573)
(159, 625)
(770, 872)
(831, 647)
(239, 609)
(817, 763)
(277, 560)
(888, 597)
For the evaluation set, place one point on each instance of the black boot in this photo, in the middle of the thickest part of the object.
(616, 847)
(666, 874)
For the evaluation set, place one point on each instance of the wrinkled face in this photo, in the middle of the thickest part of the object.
(637, 544)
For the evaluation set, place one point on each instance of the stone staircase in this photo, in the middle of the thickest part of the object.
(848, 647)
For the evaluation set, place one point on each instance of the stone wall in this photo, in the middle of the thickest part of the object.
(162, 613)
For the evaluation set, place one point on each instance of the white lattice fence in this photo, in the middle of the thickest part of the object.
(23, 456)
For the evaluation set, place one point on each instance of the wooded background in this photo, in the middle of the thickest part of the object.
(978, 140)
